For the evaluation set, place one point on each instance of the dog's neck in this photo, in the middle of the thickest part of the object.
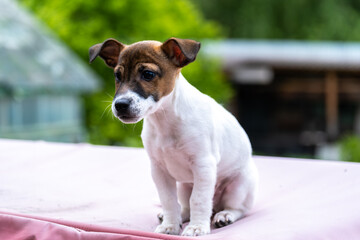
(177, 104)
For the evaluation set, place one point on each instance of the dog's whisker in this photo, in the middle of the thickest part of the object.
(112, 115)
(106, 110)
(109, 95)
(109, 112)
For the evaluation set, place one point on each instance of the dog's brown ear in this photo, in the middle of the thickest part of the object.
(109, 51)
(181, 51)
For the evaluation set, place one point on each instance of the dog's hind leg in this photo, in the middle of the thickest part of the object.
(238, 197)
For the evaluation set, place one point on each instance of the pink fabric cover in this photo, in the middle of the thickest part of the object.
(79, 191)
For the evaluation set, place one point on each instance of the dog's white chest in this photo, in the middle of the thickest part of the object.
(169, 151)
(177, 163)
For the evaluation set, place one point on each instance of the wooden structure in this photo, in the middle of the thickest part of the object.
(293, 97)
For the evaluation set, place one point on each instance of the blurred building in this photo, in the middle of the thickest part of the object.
(292, 97)
(41, 81)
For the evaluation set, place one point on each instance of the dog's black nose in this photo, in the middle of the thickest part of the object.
(122, 105)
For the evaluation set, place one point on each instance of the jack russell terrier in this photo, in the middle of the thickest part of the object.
(200, 155)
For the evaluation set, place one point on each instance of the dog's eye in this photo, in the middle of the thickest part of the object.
(117, 76)
(148, 75)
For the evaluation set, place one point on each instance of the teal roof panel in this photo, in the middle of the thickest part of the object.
(33, 59)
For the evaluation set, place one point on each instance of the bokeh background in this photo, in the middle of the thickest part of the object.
(288, 70)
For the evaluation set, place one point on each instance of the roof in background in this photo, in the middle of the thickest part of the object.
(293, 54)
(32, 59)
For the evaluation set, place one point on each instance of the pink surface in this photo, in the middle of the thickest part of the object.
(80, 191)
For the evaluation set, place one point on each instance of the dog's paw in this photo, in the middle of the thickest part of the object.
(223, 218)
(172, 229)
(196, 230)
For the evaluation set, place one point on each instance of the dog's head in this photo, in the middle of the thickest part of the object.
(145, 72)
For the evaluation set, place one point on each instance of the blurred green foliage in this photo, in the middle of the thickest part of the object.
(278, 19)
(83, 23)
(350, 148)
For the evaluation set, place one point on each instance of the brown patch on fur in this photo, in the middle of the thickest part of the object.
(141, 56)
(130, 64)
(109, 51)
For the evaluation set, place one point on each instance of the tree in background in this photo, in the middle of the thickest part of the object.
(350, 148)
(83, 23)
(278, 19)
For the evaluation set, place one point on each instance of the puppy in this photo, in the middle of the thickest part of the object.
(200, 155)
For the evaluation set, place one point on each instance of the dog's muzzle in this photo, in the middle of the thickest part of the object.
(122, 105)
(122, 110)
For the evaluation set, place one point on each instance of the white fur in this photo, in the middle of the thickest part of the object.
(139, 105)
(201, 156)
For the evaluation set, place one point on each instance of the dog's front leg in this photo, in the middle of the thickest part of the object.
(166, 187)
(204, 173)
